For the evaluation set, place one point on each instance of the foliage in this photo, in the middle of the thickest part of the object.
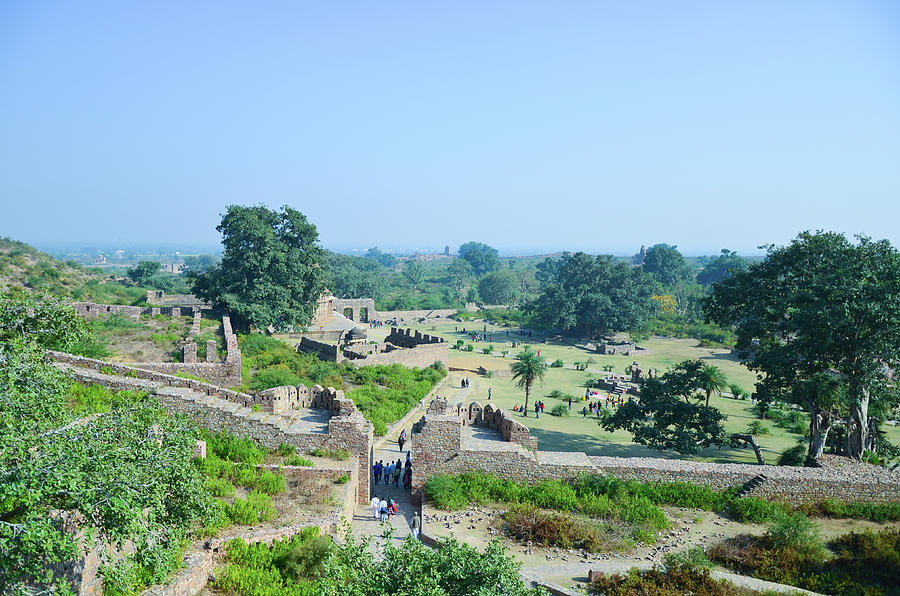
(353, 277)
(298, 460)
(381, 257)
(481, 257)
(40, 319)
(229, 447)
(141, 273)
(559, 410)
(665, 264)
(498, 287)
(793, 456)
(757, 428)
(590, 295)
(674, 580)
(527, 523)
(528, 368)
(722, 267)
(820, 306)
(558, 363)
(876, 512)
(200, 263)
(753, 510)
(693, 557)
(666, 417)
(414, 271)
(279, 251)
(256, 508)
(863, 563)
(685, 326)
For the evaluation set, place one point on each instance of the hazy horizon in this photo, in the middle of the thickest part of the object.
(533, 127)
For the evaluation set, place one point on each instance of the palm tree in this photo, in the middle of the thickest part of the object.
(712, 380)
(529, 367)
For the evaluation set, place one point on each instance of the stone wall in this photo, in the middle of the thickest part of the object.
(360, 310)
(324, 351)
(220, 409)
(415, 315)
(158, 297)
(437, 447)
(406, 338)
(401, 347)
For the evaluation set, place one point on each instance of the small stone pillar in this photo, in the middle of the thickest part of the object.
(211, 350)
(200, 449)
(189, 353)
(176, 311)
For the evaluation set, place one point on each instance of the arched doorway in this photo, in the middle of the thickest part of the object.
(348, 312)
(364, 314)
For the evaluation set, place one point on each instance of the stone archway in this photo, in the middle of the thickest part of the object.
(364, 314)
(348, 312)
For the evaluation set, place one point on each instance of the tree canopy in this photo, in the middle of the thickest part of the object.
(498, 287)
(355, 277)
(480, 256)
(670, 413)
(666, 264)
(821, 305)
(143, 271)
(200, 263)
(590, 295)
(385, 259)
(272, 270)
(721, 268)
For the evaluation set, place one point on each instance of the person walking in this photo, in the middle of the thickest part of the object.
(382, 509)
(377, 471)
(397, 472)
(489, 393)
(537, 410)
(376, 506)
(402, 439)
(584, 412)
(416, 526)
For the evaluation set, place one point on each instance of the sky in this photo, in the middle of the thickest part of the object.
(531, 126)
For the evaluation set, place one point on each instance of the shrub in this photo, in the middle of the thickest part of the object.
(286, 450)
(753, 510)
(736, 391)
(559, 410)
(793, 456)
(256, 508)
(757, 428)
(876, 512)
(692, 558)
(468, 348)
(670, 581)
(219, 487)
(229, 447)
(298, 460)
(270, 483)
(795, 531)
(526, 522)
(338, 454)
(558, 363)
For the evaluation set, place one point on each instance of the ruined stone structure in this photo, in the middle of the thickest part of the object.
(402, 346)
(92, 309)
(305, 418)
(625, 349)
(360, 310)
(490, 441)
(158, 297)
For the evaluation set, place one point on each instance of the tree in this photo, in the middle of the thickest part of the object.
(666, 264)
(712, 380)
(200, 263)
(387, 260)
(460, 273)
(529, 368)
(414, 271)
(354, 277)
(480, 256)
(498, 287)
(671, 415)
(591, 295)
(819, 305)
(141, 273)
(272, 270)
(721, 268)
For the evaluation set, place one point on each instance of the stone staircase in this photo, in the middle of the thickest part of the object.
(751, 484)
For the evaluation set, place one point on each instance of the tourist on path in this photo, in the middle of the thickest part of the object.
(537, 410)
(584, 412)
(416, 525)
(376, 506)
(489, 393)
(383, 510)
(402, 439)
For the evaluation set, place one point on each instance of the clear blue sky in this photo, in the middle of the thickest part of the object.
(549, 125)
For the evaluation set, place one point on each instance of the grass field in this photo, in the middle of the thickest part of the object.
(575, 433)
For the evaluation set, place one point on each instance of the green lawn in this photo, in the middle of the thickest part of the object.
(575, 433)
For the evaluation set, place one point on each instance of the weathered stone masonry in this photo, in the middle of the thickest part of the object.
(441, 444)
(404, 347)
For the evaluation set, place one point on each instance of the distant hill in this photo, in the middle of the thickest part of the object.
(23, 267)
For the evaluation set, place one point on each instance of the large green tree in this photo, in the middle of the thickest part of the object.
(670, 414)
(460, 273)
(414, 271)
(272, 270)
(481, 257)
(721, 268)
(143, 271)
(528, 368)
(666, 264)
(498, 287)
(355, 277)
(590, 295)
(821, 305)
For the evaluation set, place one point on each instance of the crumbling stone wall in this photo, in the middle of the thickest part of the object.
(437, 447)
(323, 350)
(401, 347)
(92, 309)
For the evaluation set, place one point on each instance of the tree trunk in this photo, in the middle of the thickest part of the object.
(819, 425)
(708, 392)
(752, 440)
(859, 425)
(527, 391)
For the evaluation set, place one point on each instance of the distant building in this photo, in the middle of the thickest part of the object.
(638, 259)
(447, 250)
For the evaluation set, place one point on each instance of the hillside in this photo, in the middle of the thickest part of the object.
(24, 268)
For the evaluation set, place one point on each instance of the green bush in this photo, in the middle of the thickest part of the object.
(793, 456)
(256, 508)
(757, 428)
(219, 487)
(692, 558)
(876, 512)
(671, 581)
(228, 447)
(558, 363)
(298, 460)
(338, 454)
(285, 450)
(559, 410)
(795, 531)
(527, 523)
(753, 510)
(270, 483)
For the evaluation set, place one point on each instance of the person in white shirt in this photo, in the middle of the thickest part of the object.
(376, 507)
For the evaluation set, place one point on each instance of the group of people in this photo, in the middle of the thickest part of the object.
(538, 408)
(394, 472)
(373, 324)
(611, 401)
(385, 507)
(464, 382)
